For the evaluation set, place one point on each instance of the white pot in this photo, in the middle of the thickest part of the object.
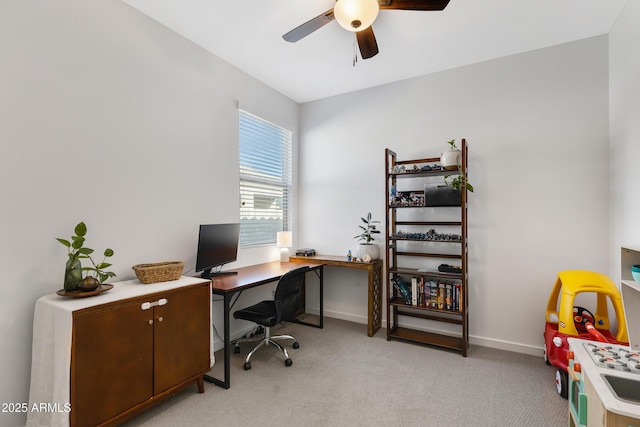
(449, 160)
(370, 249)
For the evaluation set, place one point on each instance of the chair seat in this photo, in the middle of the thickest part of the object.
(262, 313)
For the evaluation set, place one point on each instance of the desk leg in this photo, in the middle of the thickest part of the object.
(321, 297)
(227, 349)
(320, 273)
(374, 322)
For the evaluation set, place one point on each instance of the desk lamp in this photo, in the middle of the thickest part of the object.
(284, 240)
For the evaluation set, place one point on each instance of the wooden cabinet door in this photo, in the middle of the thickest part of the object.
(111, 361)
(181, 336)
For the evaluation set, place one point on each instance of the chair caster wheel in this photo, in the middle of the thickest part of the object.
(288, 362)
(247, 366)
(236, 349)
(296, 345)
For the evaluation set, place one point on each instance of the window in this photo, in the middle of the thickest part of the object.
(265, 180)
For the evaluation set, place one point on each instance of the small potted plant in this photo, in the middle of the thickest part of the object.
(96, 274)
(368, 250)
(459, 182)
(450, 160)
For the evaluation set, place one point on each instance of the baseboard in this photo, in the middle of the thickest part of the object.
(507, 345)
(349, 317)
(473, 340)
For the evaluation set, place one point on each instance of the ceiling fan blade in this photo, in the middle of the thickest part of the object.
(367, 43)
(309, 27)
(413, 4)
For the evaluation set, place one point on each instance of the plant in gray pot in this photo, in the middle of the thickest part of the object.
(96, 274)
(368, 250)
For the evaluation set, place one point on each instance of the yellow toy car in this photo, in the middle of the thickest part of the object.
(567, 320)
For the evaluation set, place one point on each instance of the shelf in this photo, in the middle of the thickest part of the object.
(402, 306)
(430, 273)
(424, 240)
(424, 174)
(454, 343)
(422, 206)
(428, 223)
(405, 230)
(429, 255)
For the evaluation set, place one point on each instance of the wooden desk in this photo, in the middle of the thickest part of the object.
(374, 269)
(247, 278)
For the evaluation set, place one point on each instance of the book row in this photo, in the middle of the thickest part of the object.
(442, 294)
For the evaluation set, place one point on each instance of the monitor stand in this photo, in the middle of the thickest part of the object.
(208, 274)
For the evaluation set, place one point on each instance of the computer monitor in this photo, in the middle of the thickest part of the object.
(217, 245)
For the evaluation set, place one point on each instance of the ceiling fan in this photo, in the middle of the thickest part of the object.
(357, 16)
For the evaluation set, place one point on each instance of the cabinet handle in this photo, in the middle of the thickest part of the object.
(148, 305)
(151, 321)
(160, 319)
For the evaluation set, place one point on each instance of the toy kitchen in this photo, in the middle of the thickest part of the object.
(604, 378)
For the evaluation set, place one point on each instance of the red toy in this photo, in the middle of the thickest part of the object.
(566, 320)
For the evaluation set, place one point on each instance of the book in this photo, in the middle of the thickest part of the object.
(448, 298)
(433, 285)
(403, 289)
(414, 290)
(457, 294)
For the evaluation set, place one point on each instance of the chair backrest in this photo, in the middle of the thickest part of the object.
(287, 297)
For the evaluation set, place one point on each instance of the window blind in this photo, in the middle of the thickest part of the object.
(265, 180)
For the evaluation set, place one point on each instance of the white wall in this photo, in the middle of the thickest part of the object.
(624, 72)
(537, 128)
(110, 118)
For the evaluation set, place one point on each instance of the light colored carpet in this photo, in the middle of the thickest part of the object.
(341, 377)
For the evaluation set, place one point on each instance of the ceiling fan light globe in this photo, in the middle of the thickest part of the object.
(356, 15)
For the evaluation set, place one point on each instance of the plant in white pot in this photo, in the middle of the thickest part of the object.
(368, 250)
(450, 160)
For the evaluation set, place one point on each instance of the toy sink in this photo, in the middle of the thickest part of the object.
(624, 388)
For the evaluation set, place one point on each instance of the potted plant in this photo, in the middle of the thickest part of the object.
(368, 249)
(96, 274)
(450, 160)
(459, 181)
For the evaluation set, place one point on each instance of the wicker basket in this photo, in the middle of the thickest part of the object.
(159, 272)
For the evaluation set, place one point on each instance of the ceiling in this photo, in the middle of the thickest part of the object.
(248, 34)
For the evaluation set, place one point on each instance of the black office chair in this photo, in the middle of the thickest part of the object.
(269, 313)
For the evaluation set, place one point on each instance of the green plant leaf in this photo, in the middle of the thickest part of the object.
(64, 242)
(81, 229)
(77, 242)
(85, 251)
(108, 252)
(103, 265)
